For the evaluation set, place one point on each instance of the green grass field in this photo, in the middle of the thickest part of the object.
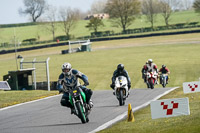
(7, 34)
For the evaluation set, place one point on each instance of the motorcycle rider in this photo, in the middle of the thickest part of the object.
(164, 70)
(69, 79)
(151, 67)
(120, 72)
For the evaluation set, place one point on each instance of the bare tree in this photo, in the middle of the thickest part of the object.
(150, 9)
(34, 8)
(69, 19)
(94, 24)
(165, 10)
(196, 6)
(122, 12)
(50, 20)
(98, 6)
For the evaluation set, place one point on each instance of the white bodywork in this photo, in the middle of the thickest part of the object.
(152, 74)
(121, 82)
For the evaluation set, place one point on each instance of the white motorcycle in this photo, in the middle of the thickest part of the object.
(163, 79)
(121, 89)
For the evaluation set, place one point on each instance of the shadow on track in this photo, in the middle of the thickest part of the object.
(54, 125)
(107, 106)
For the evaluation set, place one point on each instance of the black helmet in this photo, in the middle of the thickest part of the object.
(163, 66)
(120, 67)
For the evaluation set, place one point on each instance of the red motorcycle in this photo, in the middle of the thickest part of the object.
(151, 79)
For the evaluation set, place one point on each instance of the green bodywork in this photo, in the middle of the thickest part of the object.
(82, 94)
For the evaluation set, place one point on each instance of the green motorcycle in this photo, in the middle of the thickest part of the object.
(77, 99)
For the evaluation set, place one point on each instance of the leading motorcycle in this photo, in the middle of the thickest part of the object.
(77, 99)
(121, 89)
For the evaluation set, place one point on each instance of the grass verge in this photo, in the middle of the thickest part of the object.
(181, 124)
(8, 98)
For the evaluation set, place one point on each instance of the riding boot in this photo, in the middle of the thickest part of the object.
(113, 92)
(91, 103)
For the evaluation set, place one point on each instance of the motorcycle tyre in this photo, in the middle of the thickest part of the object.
(164, 83)
(121, 100)
(81, 114)
(151, 84)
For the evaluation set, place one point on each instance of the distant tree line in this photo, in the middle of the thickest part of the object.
(122, 13)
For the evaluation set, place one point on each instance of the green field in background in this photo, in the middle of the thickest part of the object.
(26, 32)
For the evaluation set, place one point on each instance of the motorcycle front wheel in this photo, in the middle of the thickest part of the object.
(81, 114)
(121, 100)
(152, 84)
(164, 82)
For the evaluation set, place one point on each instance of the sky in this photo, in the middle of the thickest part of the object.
(9, 9)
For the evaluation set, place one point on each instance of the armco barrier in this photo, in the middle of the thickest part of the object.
(146, 35)
(102, 39)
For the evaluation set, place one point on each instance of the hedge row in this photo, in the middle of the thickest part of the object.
(17, 25)
(146, 29)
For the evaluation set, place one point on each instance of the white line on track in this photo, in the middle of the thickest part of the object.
(122, 116)
(27, 102)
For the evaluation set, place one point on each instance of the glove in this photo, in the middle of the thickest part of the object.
(129, 86)
(112, 86)
(86, 83)
(60, 88)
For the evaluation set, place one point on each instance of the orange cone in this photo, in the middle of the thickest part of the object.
(130, 117)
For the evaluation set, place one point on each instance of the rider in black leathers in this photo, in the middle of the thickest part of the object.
(120, 72)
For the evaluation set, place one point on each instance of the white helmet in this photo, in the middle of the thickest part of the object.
(150, 61)
(66, 66)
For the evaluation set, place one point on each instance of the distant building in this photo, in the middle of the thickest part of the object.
(100, 16)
